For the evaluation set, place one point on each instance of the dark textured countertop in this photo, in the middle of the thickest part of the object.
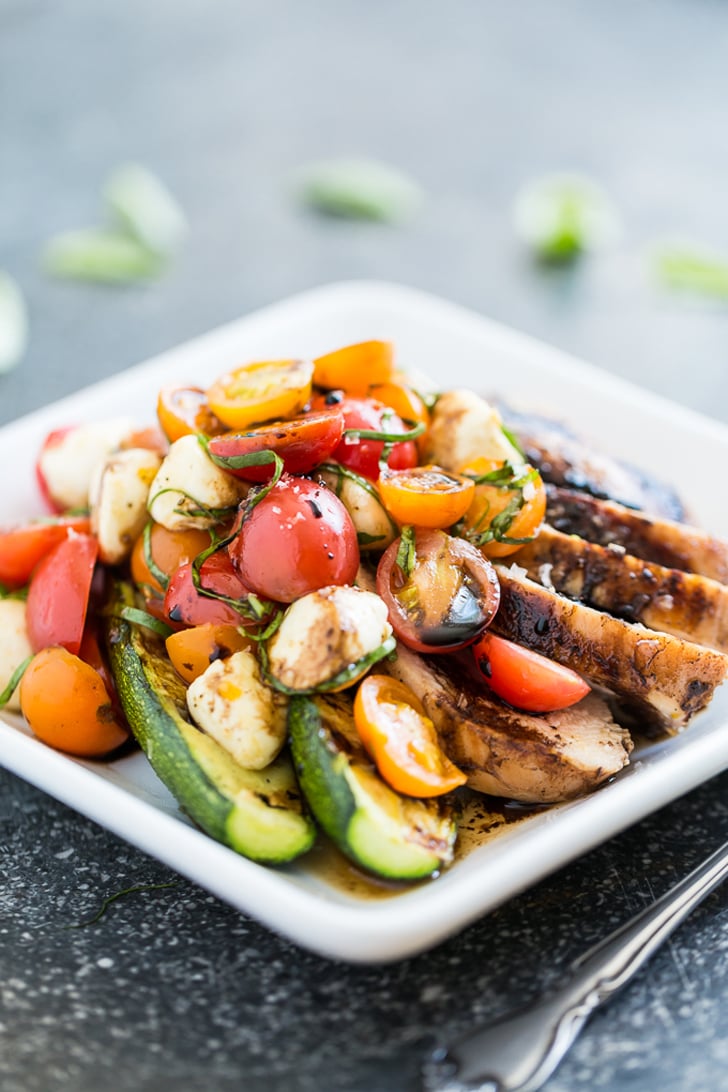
(171, 989)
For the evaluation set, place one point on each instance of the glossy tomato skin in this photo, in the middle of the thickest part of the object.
(21, 548)
(302, 443)
(363, 456)
(59, 593)
(299, 538)
(525, 679)
(184, 605)
(451, 596)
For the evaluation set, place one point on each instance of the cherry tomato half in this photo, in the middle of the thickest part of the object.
(504, 511)
(65, 702)
(193, 650)
(302, 443)
(183, 411)
(184, 605)
(355, 367)
(59, 593)
(360, 454)
(527, 679)
(169, 550)
(262, 391)
(21, 548)
(427, 496)
(402, 740)
(450, 596)
(297, 539)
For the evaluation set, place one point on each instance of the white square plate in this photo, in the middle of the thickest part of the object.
(455, 347)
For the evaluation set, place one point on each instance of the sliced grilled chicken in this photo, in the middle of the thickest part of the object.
(535, 759)
(674, 545)
(565, 460)
(692, 607)
(659, 677)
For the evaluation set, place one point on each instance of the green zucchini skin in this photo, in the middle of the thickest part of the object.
(392, 836)
(258, 813)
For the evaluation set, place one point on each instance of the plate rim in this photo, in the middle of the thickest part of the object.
(411, 922)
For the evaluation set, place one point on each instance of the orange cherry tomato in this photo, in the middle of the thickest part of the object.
(169, 550)
(406, 403)
(184, 410)
(426, 496)
(526, 679)
(193, 650)
(355, 367)
(262, 391)
(402, 740)
(21, 548)
(65, 702)
(508, 507)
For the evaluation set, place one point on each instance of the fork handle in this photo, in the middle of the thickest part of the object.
(521, 1050)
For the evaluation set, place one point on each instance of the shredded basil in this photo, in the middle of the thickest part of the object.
(406, 551)
(118, 895)
(161, 577)
(385, 437)
(15, 678)
(505, 479)
(343, 472)
(143, 618)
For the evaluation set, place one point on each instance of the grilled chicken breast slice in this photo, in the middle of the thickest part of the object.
(674, 545)
(520, 756)
(661, 678)
(694, 608)
(566, 460)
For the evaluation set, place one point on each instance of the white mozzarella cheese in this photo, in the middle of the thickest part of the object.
(375, 530)
(242, 713)
(14, 644)
(188, 481)
(118, 497)
(324, 633)
(465, 427)
(67, 464)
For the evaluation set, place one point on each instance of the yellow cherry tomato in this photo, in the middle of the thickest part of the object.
(262, 391)
(355, 367)
(508, 507)
(402, 740)
(425, 496)
(184, 410)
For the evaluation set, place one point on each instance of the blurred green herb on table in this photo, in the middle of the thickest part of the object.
(148, 227)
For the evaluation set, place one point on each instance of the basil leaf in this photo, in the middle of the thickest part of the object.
(13, 323)
(93, 254)
(360, 189)
(145, 209)
(692, 269)
(560, 216)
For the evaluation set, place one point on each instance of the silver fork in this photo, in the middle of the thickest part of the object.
(520, 1051)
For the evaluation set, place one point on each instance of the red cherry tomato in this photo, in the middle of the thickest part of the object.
(21, 548)
(447, 600)
(527, 679)
(296, 539)
(184, 605)
(59, 593)
(302, 443)
(362, 455)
